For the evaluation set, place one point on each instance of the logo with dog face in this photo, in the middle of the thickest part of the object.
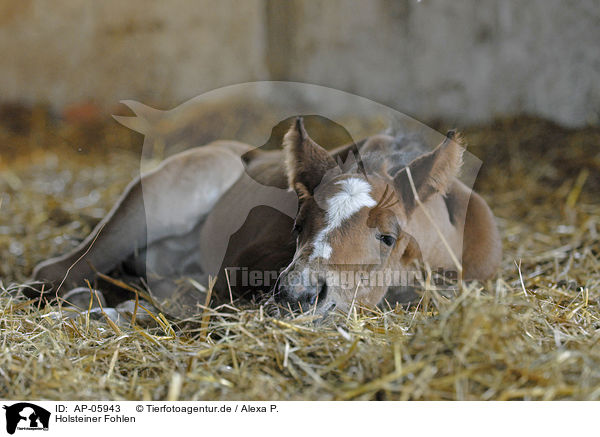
(26, 416)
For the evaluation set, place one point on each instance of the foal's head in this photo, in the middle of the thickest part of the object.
(352, 225)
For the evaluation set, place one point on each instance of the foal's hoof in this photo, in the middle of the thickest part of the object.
(142, 317)
(100, 314)
(80, 297)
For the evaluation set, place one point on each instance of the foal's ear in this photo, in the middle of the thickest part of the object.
(306, 161)
(431, 173)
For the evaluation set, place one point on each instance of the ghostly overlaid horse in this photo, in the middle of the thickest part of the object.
(293, 224)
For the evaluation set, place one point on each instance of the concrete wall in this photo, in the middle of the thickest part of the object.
(164, 52)
(461, 61)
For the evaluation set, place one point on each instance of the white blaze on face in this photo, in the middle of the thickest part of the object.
(354, 195)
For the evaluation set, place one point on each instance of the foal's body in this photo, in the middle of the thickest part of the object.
(226, 205)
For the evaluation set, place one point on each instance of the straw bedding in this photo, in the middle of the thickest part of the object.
(532, 332)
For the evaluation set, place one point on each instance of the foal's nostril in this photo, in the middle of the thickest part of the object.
(299, 297)
(320, 292)
(323, 292)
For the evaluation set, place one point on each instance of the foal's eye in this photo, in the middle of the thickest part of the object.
(388, 240)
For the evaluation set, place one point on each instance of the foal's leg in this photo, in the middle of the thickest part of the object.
(165, 202)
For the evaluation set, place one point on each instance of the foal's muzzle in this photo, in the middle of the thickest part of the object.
(303, 297)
